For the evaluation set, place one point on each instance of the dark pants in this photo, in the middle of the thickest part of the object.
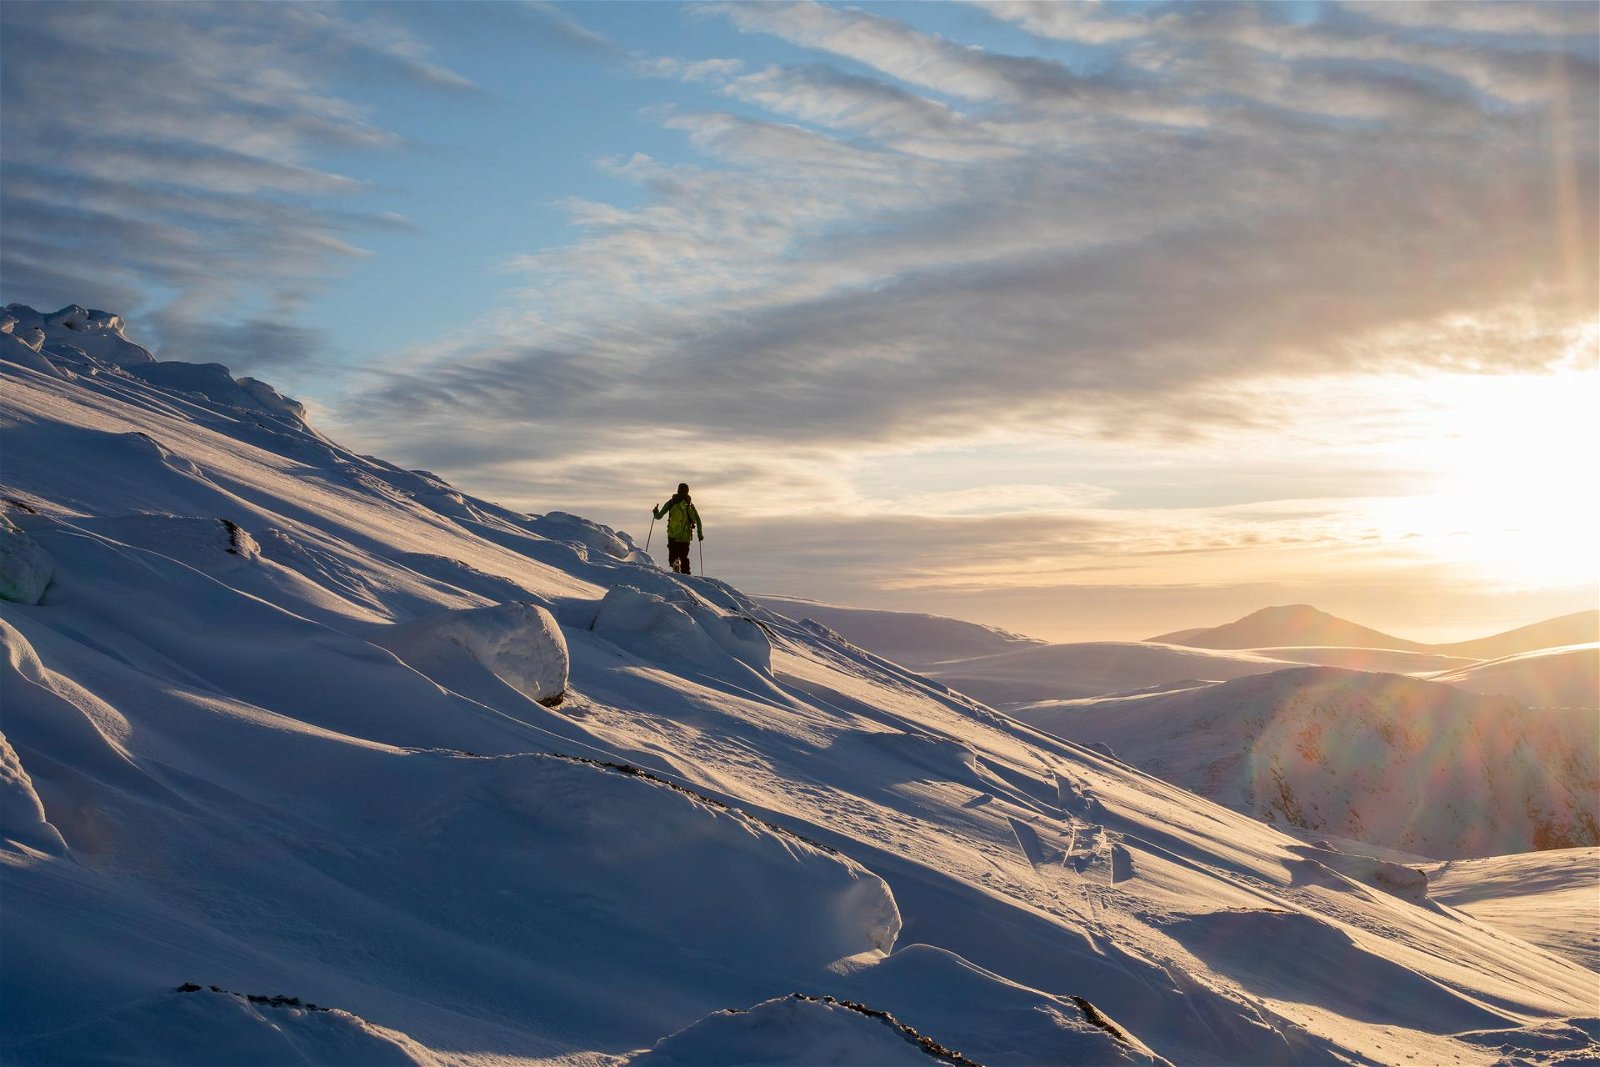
(678, 556)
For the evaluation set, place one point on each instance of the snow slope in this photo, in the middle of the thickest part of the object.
(1545, 898)
(1564, 677)
(279, 732)
(1388, 760)
(1581, 627)
(1092, 668)
(908, 637)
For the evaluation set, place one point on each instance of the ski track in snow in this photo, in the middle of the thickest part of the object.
(290, 720)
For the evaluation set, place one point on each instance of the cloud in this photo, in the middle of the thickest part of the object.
(557, 27)
(257, 346)
(1225, 195)
(163, 156)
(916, 58)
(1506, 17)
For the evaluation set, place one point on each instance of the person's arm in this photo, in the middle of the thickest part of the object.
(694, 520)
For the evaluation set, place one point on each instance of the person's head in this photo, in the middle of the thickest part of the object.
(683, 488)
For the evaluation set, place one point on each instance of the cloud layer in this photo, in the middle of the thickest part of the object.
(909, 236)
(161, 158)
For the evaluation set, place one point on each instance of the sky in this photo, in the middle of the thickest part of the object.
(1083, 320)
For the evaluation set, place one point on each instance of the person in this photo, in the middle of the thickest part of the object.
(683, 522)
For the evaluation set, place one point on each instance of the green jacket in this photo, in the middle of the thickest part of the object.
(682, 519)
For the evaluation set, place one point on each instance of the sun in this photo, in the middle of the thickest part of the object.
(1513, 471)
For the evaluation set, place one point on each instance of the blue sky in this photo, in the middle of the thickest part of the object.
(1081, 319)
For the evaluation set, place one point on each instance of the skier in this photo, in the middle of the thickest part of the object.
(682, 521)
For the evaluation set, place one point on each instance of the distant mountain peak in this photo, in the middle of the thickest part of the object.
(1289, 611)
(1287, 626)
(1302, 625)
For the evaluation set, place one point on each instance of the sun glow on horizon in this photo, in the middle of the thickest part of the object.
(1513, 488)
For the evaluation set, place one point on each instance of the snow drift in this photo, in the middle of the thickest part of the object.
(518, 643)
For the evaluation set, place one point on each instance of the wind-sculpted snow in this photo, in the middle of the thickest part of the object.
(25, 568)
(592, 536)
(22, 818)
(278, 724)
(213, 381)
(518, 643)
(677, 624)
(74, 333)
(507, 880)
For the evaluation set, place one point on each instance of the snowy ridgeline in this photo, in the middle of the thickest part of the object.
(309, 758)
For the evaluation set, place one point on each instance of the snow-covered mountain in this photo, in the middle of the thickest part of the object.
(310, 758)
(1380, 758)
(1567, 676)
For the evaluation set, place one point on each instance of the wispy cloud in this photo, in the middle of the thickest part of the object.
(1231, 194)
(160, 159)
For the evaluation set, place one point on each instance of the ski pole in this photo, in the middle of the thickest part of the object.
(702, 544)
(651, 534)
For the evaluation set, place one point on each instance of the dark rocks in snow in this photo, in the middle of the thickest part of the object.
(240, 543)
(1093, 1015)
(921, 1041)
(277, 1000)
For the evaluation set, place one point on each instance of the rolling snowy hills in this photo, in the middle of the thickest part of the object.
(1369, 735)
(1380, 758)
(310, 758)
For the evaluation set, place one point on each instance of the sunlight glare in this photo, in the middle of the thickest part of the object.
(1515, 484)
